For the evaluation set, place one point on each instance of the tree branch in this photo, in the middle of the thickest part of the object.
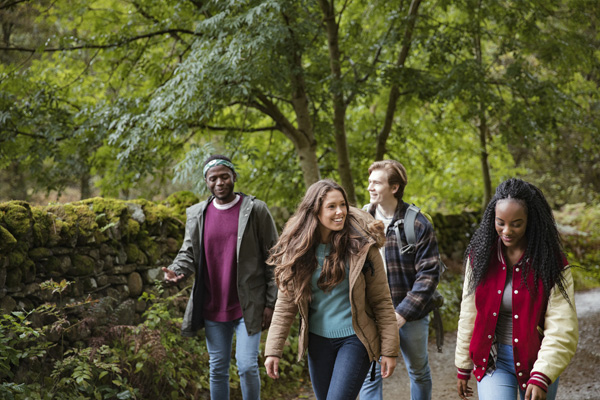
(104, 46)
(147, 15)
(363, 79)
(232, 128)
(31, 135)
(5, 4)
(395, 90)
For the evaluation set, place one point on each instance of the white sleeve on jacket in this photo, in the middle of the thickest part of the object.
(561, 331)
(466, 324)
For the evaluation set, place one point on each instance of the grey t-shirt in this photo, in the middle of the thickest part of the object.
(505, 324)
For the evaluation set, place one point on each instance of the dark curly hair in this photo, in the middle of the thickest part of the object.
(544, 246)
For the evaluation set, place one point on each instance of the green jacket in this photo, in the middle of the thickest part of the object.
(255, 284)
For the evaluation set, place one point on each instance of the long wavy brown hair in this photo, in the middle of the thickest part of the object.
(294, 255)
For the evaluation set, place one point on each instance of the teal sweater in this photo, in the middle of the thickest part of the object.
(330, 314)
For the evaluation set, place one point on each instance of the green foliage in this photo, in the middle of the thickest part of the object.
(450, 287)
(580, 230)
(18, 341)
(292, 374)
(151, 360)
(132, 96)
(90, 373)
(56, 287)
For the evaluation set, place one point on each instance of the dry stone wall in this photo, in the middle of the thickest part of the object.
(110, 250)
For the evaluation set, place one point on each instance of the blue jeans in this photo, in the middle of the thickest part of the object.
(337, 366)
(219, 338)
(502, 384)
(413, 345)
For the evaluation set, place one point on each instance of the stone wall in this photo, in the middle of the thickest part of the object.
(112, 250)
(453, 233)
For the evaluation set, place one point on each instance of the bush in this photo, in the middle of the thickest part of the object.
(579, 225)
(148, 361)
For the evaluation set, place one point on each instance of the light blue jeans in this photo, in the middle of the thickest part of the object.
(413, 345)
(502, 384)
(219, 338)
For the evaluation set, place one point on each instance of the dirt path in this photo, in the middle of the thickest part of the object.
(580, 380)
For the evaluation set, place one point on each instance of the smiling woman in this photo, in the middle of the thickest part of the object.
(333, 214)
(348, 320)
(511, 225)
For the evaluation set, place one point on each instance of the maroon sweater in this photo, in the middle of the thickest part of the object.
(221, 302)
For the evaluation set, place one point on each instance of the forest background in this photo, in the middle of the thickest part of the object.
(125, 98)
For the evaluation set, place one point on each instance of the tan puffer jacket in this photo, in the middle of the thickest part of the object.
(373, 315)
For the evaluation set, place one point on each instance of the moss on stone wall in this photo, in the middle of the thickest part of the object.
(99, 244)
(17, 217)
(134, 254)
(7, 240)
(179, 201)
(81, 265)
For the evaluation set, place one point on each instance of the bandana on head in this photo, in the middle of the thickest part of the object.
(215, 162)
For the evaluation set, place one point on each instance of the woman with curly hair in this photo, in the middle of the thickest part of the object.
(329, 269)
(517, 329)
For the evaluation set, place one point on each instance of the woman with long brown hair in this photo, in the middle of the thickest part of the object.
(328, 268)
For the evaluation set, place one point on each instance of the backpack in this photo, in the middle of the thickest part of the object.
(437, 300)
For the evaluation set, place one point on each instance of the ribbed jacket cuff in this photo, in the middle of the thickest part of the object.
(463, 373)
(540, 380)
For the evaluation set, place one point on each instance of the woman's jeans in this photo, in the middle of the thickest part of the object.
(413, 345)
(219, 338)
(337, 366)
(502, 384)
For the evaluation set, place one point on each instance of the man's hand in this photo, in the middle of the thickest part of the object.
(272, 365)
(464, 391)
(534, 392)
(388, 364)
(267, 317)
(171, 276)
(400, 320)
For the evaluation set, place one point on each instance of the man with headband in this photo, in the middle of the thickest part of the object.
(227, 240)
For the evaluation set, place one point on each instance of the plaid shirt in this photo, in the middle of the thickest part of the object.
(414, 276)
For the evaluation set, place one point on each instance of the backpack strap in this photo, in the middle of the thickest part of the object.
(409, 223)
(409, 229)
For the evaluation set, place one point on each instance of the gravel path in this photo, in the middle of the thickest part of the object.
(580, 381)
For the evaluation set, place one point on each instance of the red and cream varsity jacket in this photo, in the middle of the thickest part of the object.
(545, 329)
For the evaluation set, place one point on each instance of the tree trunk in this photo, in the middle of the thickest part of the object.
(384, 133)
(17, 183)
(339, 106)
(304, 136)
(483, 156)
(304, 141)
(307, 155)
(84, 185)
(482, 126)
